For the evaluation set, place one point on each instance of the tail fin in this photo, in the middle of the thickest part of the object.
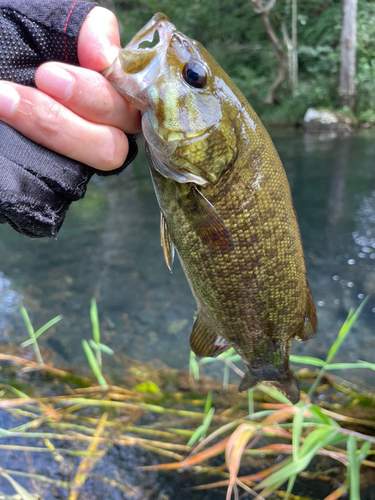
(286, 381)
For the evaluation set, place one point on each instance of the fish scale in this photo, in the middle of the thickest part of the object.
(225, 204)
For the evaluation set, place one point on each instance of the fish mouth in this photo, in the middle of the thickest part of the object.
(137, 68)
(159, 22)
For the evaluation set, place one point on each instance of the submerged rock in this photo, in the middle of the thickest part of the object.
(327, 119)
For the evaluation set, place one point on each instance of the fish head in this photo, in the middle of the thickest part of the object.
(182, 94)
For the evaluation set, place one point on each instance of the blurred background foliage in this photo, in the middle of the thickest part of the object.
(235, 35)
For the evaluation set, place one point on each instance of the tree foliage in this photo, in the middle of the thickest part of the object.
(235, 35)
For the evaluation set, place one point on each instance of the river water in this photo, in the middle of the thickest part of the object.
(109, 248)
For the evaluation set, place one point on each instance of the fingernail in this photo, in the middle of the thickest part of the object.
(9, 100)
(55, 81)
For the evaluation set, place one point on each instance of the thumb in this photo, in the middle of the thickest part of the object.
(98, 40)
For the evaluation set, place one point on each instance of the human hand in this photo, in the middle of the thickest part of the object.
(75, 111)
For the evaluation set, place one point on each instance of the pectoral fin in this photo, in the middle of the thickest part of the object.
(166, 242)
(206, 221)
(203, 339)
(310, 325)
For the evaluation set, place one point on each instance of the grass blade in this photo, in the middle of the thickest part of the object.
(318, 416)
(101, 347)
(345, 329)
(96, 331)
(200, 432)
(41, 330)
(291, 482)
(229, 355)
(307, 360)
(48, 325)
(250, 402)
(89, 462)
(274, 393)
(208, 403)
(107, 350)
(25, 495)
(30, 331)
(354, 465)
(94, 364)
(297, 431)
(95, 321)
(26, 319)
(193, 367)
(225, 377)
(349, 366)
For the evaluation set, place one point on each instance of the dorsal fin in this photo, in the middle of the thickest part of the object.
(166, 242)
(310, 325)
(203, 339)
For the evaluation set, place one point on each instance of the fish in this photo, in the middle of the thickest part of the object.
(225, 204)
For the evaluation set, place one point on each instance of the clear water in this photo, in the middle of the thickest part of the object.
(109, 248)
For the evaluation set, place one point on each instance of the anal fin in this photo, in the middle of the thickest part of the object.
(203, 339)
(310, 325)
(166, 242)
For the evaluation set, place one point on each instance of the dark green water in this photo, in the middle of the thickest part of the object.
(109, 248)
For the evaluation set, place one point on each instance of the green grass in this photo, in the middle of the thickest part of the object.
(97, 417)
(35, 335)
(327, 433)
(95, 360)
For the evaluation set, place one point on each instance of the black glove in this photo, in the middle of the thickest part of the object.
(36, 184)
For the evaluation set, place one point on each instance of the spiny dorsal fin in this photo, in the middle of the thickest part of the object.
(166, 242)
(203, 339)
(206, 221)
(310, 325)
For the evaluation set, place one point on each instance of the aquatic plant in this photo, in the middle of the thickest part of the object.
(95, 361)
(35, 335)
(326, 433)
(85, 421)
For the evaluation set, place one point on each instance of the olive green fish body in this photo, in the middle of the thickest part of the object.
(225, 203)
(255, 294)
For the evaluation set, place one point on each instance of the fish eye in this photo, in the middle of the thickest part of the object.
(195, 74)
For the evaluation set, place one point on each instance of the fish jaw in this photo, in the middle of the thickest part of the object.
(135, 69)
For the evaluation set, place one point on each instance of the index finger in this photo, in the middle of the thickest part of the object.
(99, 40)
(88, 94)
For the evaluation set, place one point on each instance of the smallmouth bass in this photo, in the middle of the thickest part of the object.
(225, 204)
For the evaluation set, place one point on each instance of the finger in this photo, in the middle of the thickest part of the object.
(50, 124)
(88, 94)
(99, 40)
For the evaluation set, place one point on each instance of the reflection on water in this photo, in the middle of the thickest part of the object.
(109, 248)
(364, 236)
(9, 304)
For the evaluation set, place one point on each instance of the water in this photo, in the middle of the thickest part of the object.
(109, 248)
